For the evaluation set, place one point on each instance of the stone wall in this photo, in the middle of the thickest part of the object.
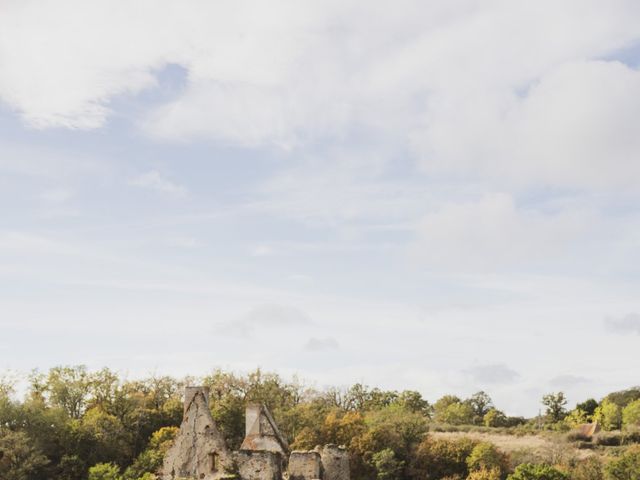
(304, 465)
(259, 465)
(199, 451)
(335, 462)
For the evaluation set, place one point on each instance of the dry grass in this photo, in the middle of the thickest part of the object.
(548, 446)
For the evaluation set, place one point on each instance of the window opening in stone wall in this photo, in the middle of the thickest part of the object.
(213, 461)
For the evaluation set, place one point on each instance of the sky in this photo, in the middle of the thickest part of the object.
(440, 196)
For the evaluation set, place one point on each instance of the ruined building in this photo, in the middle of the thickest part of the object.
(201, 453)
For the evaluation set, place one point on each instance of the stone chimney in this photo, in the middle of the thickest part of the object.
(191, 392)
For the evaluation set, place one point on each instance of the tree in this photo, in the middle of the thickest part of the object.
(588, 407)
(104, 471)
(481, 404)
(458, 414)
(450, 409)
(528, 471)
(609, 415)
(69, 388)
(413, 401)
(442, 404)
(19, 460)
(555, 403)
(576, 417)
(495, 418)
(631, 414)
(624, 397)
(387, 466)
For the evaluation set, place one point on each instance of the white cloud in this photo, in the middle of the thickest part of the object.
(265, 317)
(184, 242)
(56, 195)
(154, 180)
(628, 324)
(321, 344)
(262, 251)
(509, 90)
(574, 127)
(492, 233)
(567, 381)
(494, 374)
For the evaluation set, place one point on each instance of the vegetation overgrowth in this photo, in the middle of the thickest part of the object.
(74, 424)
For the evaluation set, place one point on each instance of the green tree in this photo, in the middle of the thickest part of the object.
(67, 388)
(528, 471)
(555, 406)
(413, 401)
(458, 414)
(442, 404)
(623, 397)
(150, 461)
(481, 403)
(576, 417)
(609, 415)
(104, 471)
(387, 466)
(588, 407)
(19, 460)
(495, 418)
(631, 414)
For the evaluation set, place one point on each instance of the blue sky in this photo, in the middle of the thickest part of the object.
(441, 196)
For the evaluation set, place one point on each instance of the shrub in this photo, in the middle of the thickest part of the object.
(439, 458)
(588, 469)
(609, 439)
(485, 474)
(625, 467)
(577, 437)
(485, 456)
(631, 437)
(528, 471)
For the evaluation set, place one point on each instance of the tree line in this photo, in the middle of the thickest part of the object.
(74, 424)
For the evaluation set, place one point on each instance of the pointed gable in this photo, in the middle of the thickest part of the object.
(262, 433)
(199, 450)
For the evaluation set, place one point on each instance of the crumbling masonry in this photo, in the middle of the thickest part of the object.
(201, 453)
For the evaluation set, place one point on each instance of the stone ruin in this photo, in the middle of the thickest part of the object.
(200, 451)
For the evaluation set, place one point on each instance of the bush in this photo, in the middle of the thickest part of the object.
(485, 474)
(625, 467)
(577, 437)
(631, 437)
(609, 439)
(588, 469)
(528, 471)
(438, 458)
(485, 456)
